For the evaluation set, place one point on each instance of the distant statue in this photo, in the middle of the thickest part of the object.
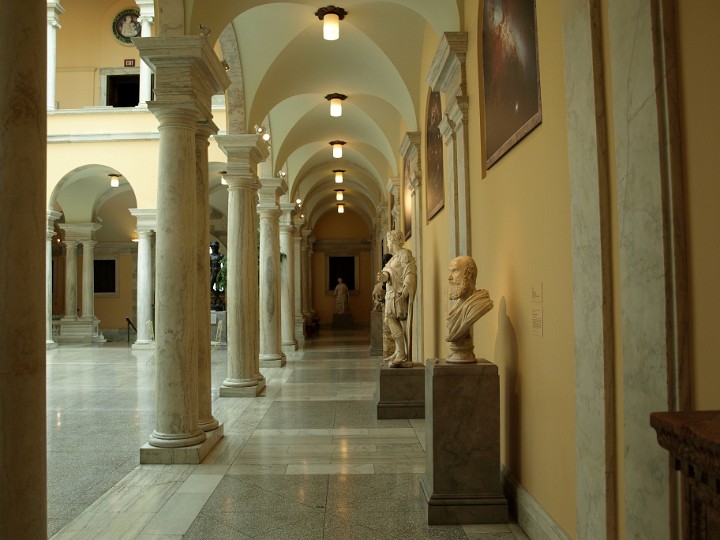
(378, 296)
(467, 306)
(400, 276)
(342, 297)
(215, 267)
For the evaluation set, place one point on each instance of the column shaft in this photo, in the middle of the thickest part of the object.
(23, 447)
(177, 409)
(206, 420)
(270, 345)
(71, 279)
(298, 284)
(287, 285)
(88, 280)
(144, 288)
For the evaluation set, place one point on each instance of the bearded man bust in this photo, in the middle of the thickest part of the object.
(467, 306)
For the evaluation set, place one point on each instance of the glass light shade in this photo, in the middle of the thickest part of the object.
(338, 177)
(223, 181)
(337, 150)
(331, 27)
(298, 201)
(341, 208)
(266, 136)
(114, 181)
(339, 195)
(336, 107)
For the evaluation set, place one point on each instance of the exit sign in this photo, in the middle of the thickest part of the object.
(129, 62)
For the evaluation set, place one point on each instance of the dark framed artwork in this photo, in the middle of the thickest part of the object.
(435, 183)
(125, 26)
(406, 200)
(342, 266)
(511, 77)
(105, 278)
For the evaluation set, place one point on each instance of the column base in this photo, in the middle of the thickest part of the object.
(144, 344)
(454, 509)
(189, 455)
(243, 391)
(290, 346)
(272, 360)
(50, 344)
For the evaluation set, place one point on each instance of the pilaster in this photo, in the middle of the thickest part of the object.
(52, 217)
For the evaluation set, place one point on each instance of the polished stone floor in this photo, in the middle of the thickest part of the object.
(308, 459)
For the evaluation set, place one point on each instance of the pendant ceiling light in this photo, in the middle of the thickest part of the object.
(341, 208)
(339, 175)
(337, 148)
(339, 194)
(336, 103)
(114, 180)
(331, 17)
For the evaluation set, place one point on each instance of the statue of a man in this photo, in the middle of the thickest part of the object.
(400, 277)
(342, 297)
(215, 266)
(467, 306)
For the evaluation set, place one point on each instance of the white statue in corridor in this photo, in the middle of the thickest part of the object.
(467, 306)
(342, 297)
(400, 276)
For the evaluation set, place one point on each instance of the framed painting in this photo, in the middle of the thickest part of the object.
(511, 77)
(406, 200)
(435, 183)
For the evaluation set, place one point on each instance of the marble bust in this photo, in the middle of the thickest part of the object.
(467, 306)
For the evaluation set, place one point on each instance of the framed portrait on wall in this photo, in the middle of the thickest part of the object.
(406, 200)
(511, 76)
(435, 184)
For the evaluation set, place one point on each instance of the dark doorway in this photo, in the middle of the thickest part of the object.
(123, 90)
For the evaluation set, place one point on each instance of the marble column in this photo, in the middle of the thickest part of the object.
(304, 274)
(52, 217)
(88, 280)
(146, 224)
(309, 279)
(287, 284)
(54, 10)
(244, 152)
(297, 278)
(271, 354)
(23, 461)
(70, 280)
(206, 419)
(187, 74)
(146, 19)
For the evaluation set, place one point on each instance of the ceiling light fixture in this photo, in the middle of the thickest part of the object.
(341, 208)
(339, 175)
(336, 103)
(331, 17)
(266, 136)
(114, 180)
(222, 178)
(339, 194)
(337, 148)
(298, 201)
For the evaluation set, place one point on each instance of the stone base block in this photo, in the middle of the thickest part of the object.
(143, 345)
(242, 391)
(273, 362)
(400, 392)
(189, 455)
(462, 481)
(290, 346)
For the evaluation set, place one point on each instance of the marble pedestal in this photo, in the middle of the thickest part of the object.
(400, 392)
(79, 330)
(342, 320)
(189, 455)
(377, 318)
(218, 318)
(462, 484)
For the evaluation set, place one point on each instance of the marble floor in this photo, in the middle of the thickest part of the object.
(306, 460)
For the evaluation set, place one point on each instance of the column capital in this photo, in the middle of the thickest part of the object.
(410, 145)
(447, 129)
(287, 209)
(244, 152)
(184, 66)
(176, 113)
(447, 71)
(146, 219)
(79, 232)
(54, 10)
(270, 191)
(457, 110)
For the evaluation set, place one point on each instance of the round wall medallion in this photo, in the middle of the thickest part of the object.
(126, 26)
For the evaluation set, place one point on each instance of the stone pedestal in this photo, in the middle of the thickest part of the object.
(461, 484)
(218, 319)
(400, 392)
(342, 320)
(376, 333)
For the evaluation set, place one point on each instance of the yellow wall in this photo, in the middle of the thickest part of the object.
(521, 240)
(700, 87)
(347, 226)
